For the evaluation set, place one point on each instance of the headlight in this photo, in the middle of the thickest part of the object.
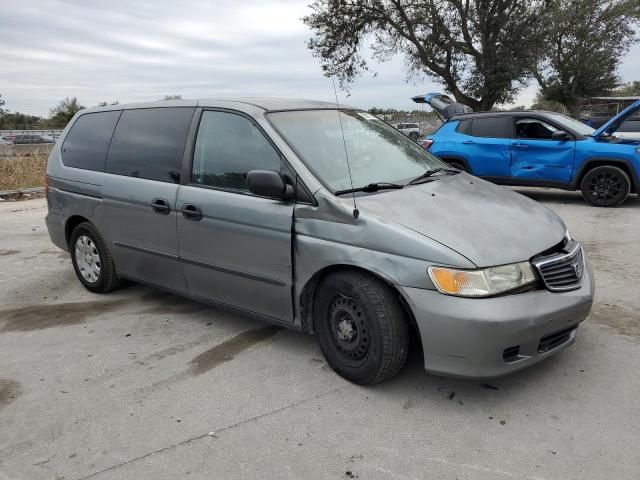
(481, 283)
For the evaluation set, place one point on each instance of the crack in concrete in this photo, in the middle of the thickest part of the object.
(222, 429)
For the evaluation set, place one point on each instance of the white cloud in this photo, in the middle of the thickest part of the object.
(142, 50)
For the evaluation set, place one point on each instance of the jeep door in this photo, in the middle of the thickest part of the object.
(536, 155)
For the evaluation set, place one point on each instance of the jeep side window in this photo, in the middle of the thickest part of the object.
(228, 146)
(491, 127)
(534, 129)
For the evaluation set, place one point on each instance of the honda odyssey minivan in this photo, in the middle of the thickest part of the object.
(319, 218)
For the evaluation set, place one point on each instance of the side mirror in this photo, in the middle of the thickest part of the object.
(268, 183)
(560, 136)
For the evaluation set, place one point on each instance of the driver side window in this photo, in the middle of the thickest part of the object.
(534, 129)
(228, 146)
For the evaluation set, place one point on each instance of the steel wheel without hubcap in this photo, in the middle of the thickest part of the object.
(606, 186)
(349, 330)
(87, 259)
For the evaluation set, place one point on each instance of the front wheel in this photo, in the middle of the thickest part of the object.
(605, 186)
(362, 328)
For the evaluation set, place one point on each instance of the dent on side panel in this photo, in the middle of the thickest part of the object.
(328, 235)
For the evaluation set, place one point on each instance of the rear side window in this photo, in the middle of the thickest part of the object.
(87, 143)
(227, 148)
(464, 126)
(491, 127)
(149, 143)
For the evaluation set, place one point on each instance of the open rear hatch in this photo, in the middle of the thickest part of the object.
(443, 105)
(612, 125)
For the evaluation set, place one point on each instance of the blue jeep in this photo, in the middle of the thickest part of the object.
(535, 148)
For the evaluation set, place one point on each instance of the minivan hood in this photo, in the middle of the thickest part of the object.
(488, 224)
(614, 123)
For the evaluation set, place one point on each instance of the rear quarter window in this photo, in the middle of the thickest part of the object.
(149, 143)
(464, 126)
(88, 140)
(491, 127)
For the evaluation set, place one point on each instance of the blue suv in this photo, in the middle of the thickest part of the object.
(536, 148)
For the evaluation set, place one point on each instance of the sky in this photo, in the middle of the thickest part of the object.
(141, 50)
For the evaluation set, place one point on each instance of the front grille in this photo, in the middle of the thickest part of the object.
(564, 270)
(555, 340)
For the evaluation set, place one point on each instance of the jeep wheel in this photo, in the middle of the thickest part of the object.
(456, 164)
(362, 329)
(605, 186)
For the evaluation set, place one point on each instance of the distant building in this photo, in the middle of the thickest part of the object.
(598, 110)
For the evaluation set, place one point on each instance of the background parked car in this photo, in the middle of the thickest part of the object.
(546, 149)
(411, 130)
(25, 139)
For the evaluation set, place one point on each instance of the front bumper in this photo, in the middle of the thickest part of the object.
(477, 338)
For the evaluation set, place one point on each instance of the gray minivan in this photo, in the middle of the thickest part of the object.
(322, 219)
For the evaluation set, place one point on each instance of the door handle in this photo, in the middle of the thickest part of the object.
(468, 142)
(520, 145)
(191, 212)
(161, 206)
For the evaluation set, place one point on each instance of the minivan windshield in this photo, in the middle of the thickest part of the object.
(378, 153)
(575, 125)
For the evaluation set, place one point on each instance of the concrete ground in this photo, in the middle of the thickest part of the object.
(129, 385)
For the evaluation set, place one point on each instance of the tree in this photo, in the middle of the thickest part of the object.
(64, 111)
(581, 46)
(479, 49)
(104, 104)
(541, 103)
(1, 104)
(631, 89)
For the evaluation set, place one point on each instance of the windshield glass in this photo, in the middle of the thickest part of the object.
(377, 152)
(571, 123)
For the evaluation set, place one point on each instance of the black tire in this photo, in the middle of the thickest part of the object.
(605, 186)
(414, 136)
(456, 164)
(107, 279)
(362, 328)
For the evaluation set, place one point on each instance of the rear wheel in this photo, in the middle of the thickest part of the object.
(414, 136)
(92, 260)
(605, 186)
(362, 328)
(457, 164)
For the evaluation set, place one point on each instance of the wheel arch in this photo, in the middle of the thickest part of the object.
(610, 162)
(307, 295)
(70, 225)
(457, 159)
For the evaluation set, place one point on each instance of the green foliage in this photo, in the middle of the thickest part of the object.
(582, 43)
(541, 103)
(20, 121)
(631, 89)
(64, 112)
(479, 50)
(105, 104)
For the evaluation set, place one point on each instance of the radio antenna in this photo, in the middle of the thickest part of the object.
(356, 212)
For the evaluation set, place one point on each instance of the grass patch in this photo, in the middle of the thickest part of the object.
(22, 170)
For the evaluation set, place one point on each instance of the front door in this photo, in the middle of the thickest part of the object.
(536, 156)
(235, 247)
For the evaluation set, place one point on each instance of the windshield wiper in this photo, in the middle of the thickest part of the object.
(372, 187)
(430, 173)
